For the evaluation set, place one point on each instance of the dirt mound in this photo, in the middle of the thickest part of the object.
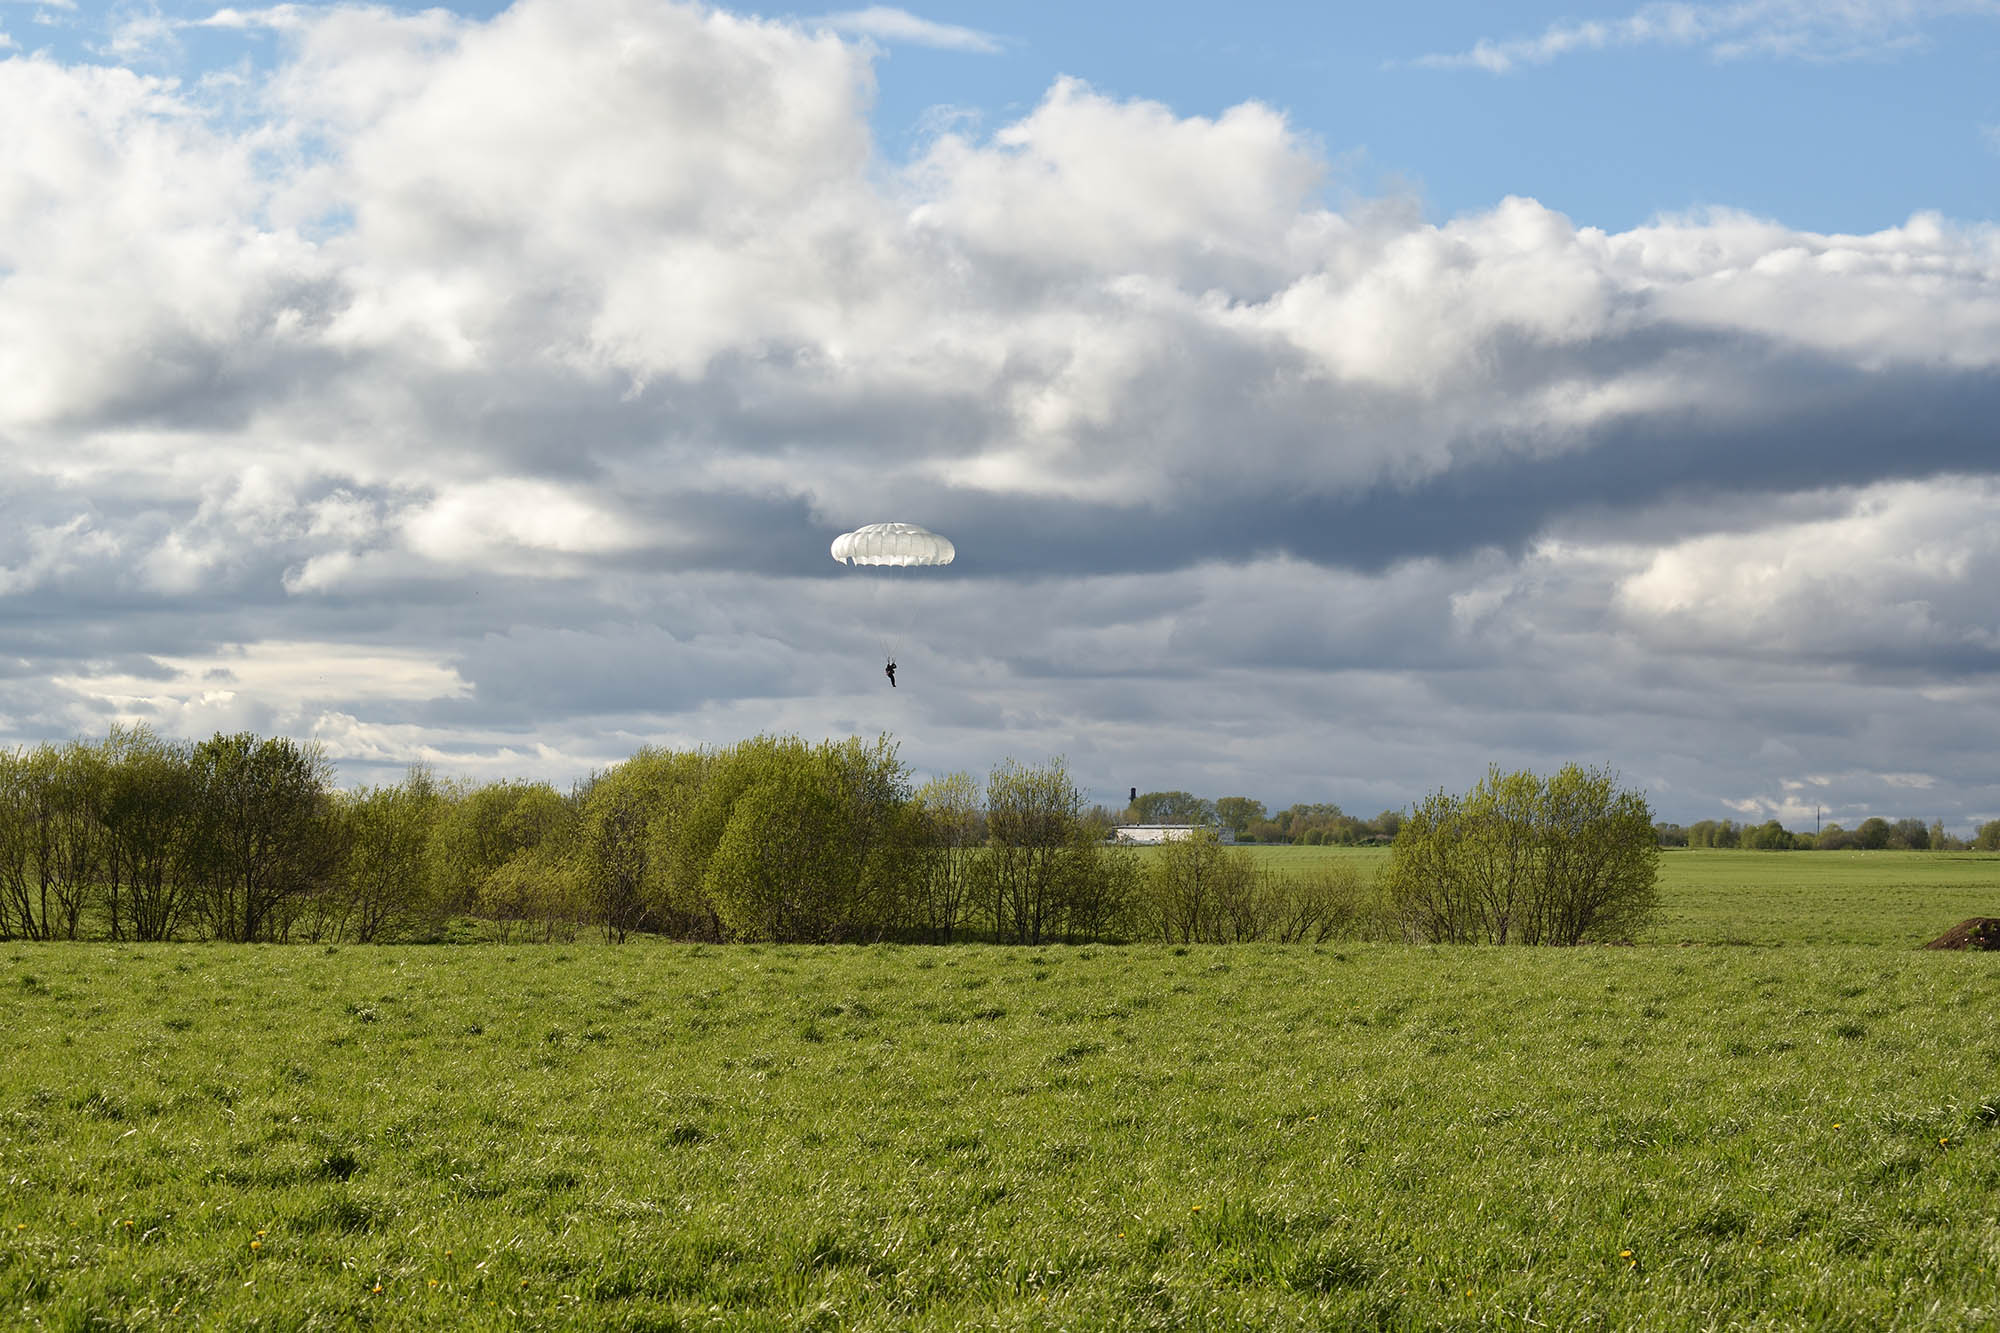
(1975, 932)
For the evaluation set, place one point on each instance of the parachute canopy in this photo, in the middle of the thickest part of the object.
(893, 544)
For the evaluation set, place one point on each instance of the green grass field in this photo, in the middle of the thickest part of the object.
(664, 1136)
(1895, 899)
(1371, 1135)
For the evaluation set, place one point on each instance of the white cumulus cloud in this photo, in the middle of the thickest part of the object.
(530, 363)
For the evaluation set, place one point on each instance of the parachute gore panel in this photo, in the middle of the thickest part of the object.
(893, 544)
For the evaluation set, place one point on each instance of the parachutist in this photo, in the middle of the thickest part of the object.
(894, 546)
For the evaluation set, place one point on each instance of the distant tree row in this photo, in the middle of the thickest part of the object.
(242, 838)
(1314, 824)
(1871, 835)
(1307, 824)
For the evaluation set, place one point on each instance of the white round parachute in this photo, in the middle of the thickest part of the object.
(893, 544)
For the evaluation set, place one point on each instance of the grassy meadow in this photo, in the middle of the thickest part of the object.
(1378, 1136)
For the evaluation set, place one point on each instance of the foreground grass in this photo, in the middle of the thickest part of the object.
(661, 1136)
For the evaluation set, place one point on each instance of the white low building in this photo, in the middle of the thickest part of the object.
(1149, 834)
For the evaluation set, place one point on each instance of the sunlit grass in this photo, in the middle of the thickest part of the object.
(661, 1136)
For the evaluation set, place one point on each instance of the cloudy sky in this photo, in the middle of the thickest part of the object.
(1325, 404)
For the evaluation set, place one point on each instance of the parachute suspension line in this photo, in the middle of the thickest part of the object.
(892, 547)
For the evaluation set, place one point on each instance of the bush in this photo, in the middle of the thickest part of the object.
(1195, 891)
(1520, 859)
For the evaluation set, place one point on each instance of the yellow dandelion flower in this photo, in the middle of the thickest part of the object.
(378, 1288)
(1624, 1254)
(1836, 1124)
(434, 1282)
(262, 1234)
(1197, 1208)
(256, 1244)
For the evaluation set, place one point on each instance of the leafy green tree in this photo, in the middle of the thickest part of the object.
(1102, 891)
(1238, 813)
(1195, 890)
(1321, 904)
(1430, 878)
(786, 864)
(149, 812)
(615, 844)
(691, 839)
(23, 910)
(267, 832)
(1872, 835)
(387, 882)
(77, 838)
(874, 789)
(1301, 819)
(477, 832)
(860, 882)
(1714, 833)
(1043, 859)
(54, 846)
(951, 833)
(1769, 836)
(1600, 864)
(540, 887)
(1988, 837)
(1171, 807)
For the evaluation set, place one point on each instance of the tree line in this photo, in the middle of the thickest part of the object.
(1874, 834)
(1322, 823)
(1310, 824)
(245, 838)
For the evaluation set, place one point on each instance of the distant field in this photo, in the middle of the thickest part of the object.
(1887, 898)
(660, 1136)
(1893, 899)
